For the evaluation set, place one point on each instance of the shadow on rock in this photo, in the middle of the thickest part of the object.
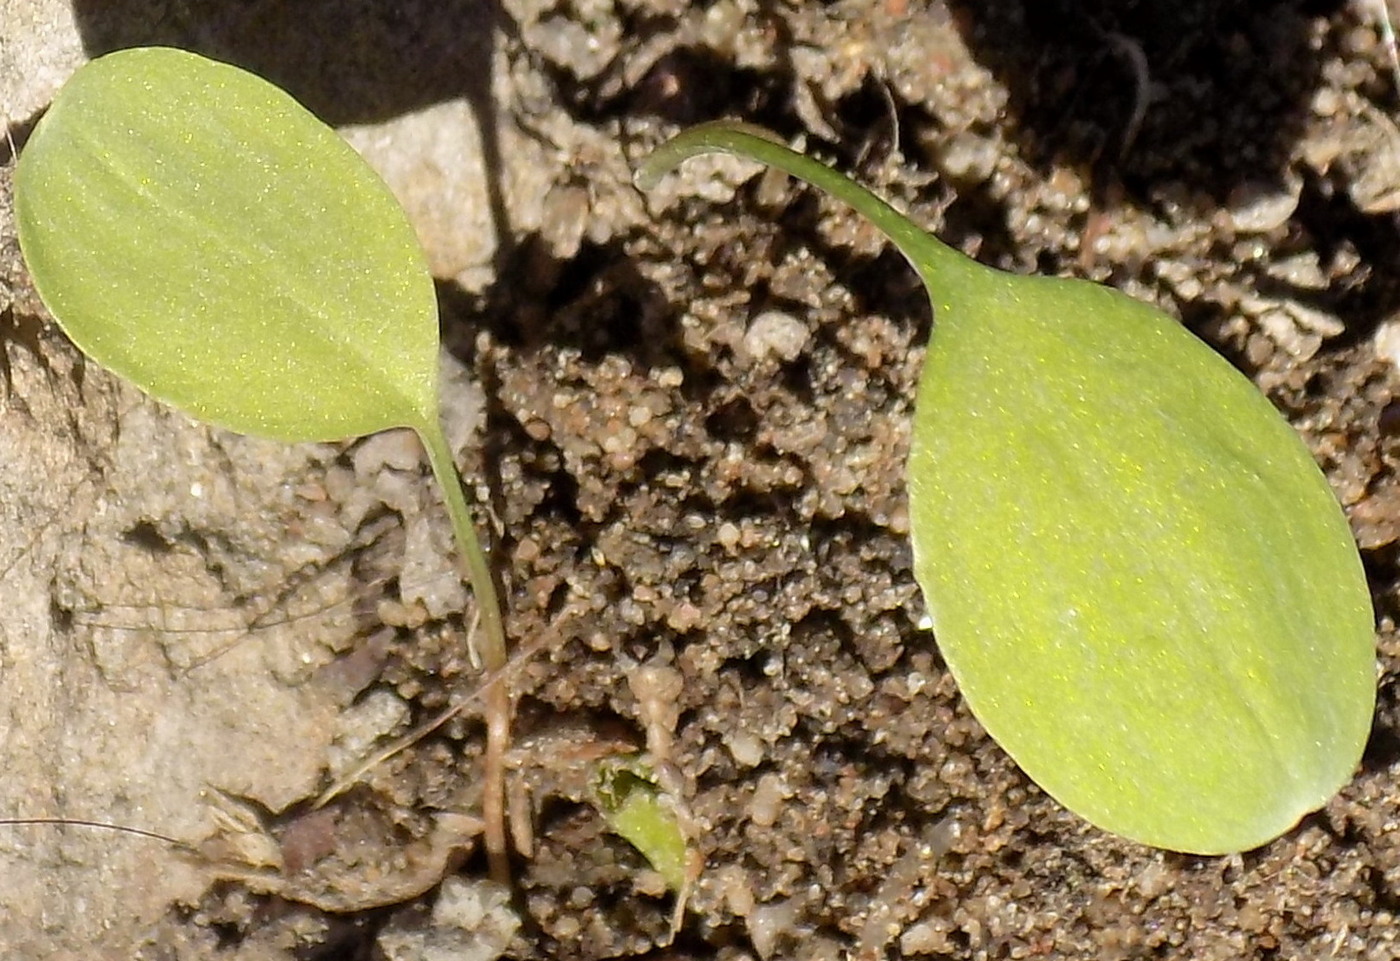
(386, 59)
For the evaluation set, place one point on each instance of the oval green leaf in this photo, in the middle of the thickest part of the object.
(1143, 584)
(197, 231)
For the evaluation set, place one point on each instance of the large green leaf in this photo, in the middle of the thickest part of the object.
(1140, 579)
(197, 231)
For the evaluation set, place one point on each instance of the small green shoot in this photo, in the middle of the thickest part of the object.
(638, 810)
(1140, 579)
(195, 230)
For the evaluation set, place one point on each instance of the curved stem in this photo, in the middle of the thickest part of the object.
(928, 255)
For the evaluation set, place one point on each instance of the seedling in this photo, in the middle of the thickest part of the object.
(639, 809)
(635, 807)
(195, 230)
(1138, 576)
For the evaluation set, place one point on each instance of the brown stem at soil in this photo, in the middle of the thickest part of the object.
(498, 712)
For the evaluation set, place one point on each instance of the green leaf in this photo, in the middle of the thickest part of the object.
(625, 792)
(1140, 579)
(197, 231)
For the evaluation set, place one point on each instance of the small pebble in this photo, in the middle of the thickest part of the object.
(778, 334)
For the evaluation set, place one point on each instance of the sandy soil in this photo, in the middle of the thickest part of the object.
(689, 414)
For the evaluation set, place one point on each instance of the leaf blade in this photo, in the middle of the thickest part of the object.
(1175, 640)
(264, 278)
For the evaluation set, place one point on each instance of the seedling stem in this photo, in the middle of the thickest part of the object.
(491, 643)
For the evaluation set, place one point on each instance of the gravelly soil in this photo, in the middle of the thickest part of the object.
(691, 413)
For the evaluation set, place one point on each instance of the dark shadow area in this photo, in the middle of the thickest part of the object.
(684, 86)
(1383, 747)
(596, 302)
(1210, 92)
(347, 61)
(1368, 294)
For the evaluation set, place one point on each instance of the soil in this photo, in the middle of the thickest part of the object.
(688, 414)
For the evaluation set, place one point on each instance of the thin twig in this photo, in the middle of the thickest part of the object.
(481, 694)
(101, 825)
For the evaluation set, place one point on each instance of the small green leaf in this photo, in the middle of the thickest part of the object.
(639, 811)
(1140, 579)
(197, 231)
